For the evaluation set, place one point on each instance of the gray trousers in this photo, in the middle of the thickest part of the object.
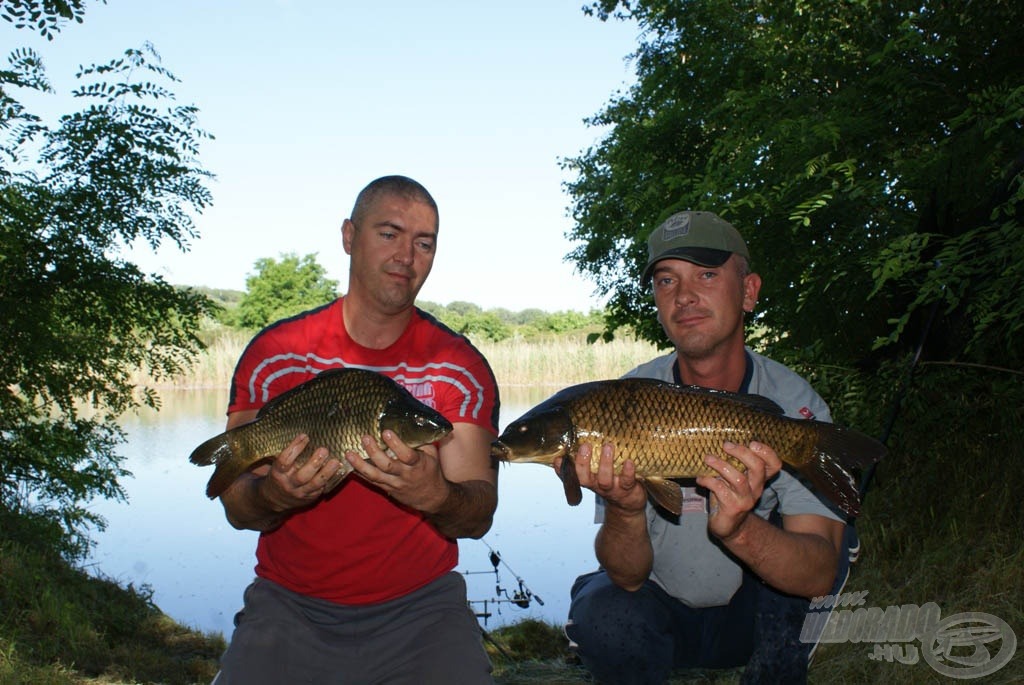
(428, 636)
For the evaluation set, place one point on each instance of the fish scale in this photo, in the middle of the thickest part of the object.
(335, 409)
(680, 434)
(667, 430)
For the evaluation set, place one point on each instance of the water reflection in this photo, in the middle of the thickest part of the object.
(170, 537)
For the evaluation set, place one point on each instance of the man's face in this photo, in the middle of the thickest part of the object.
(392, 251)
(701, 308)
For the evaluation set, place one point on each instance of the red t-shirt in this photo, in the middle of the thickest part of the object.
(357, 546)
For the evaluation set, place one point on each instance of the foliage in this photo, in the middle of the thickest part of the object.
(279, 289)
(44, 16)
(871, 153)
(77, 318)
(496, 325)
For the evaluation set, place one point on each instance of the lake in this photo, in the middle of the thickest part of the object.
(171, 538)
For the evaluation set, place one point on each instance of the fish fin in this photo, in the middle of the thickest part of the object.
(570, 482)
(308, 386)
(758, 402)
(850, 447)
(839, 452)
(833, 481)
(213, 451)
(226, 474)
(666, 493)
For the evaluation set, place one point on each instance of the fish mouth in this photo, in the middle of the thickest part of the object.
(500, 451)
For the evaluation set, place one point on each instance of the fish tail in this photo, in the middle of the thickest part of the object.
(839, 452)
(217, 450)
(213, 451)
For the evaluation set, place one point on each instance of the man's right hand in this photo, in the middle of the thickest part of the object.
(621, 490)
(288, 486)
(261, 499)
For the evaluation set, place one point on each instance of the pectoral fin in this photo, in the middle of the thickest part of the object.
(666, 493)
(570, 482)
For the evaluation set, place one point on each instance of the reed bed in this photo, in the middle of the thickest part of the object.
(562, 361)
(516, 362)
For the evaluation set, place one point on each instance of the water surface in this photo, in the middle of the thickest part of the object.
(174, 540)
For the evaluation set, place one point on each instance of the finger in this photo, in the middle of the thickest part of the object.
(363, 466)
(290, 453)
(584, 455)
(582, 462)
(377, 456)
(627, 477)
(401, 451)
(771, 459)
(308, 471)
(606, 467)
(329, 470)
(756, 468)
(728, 473)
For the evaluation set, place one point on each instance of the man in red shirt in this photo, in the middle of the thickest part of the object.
(357, 584)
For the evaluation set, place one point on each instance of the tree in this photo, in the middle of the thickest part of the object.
(78, 320)
(871, 152)
(281, 289)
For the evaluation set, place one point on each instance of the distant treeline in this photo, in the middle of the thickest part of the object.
(490, 325)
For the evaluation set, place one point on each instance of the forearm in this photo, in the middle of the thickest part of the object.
(797, 563)
(247, 508)
(623, 547)
(467, 510)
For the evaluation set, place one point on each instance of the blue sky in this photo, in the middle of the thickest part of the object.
(309, 101)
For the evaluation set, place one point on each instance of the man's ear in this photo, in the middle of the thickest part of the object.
(348, 230)
(751, 288)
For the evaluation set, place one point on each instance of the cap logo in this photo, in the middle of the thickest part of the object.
(676, 226)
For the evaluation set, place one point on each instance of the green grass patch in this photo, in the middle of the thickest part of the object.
(59, 625)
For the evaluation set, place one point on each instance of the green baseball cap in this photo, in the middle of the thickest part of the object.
(699, 237)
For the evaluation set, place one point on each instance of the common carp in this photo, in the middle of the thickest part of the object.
(335, 408)
(667, 430)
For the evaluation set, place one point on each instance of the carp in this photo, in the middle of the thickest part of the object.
(666, 430)
(335, 408)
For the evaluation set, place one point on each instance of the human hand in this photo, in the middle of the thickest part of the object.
(287, 485)
(412, 477)
(621, 490)
(735, 493)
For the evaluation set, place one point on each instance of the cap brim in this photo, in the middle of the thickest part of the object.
(702, 256)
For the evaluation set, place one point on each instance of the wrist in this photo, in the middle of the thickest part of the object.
(445, 501)
(739, 534)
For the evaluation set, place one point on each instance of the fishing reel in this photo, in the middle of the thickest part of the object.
(520, 597)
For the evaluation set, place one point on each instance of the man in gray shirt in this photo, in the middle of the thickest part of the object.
(727, 583)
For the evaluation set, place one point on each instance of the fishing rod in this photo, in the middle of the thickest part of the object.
(520, 597)
(897, 404)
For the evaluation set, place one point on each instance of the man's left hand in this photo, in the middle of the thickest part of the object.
(735, 493)
(412, 477)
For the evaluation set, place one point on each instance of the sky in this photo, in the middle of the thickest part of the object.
(309, 101)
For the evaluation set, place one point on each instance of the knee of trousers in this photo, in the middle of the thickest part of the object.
(603, 616)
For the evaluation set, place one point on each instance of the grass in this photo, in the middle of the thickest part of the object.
(59, 625)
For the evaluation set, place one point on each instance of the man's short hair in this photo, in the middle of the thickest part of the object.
(402, 186)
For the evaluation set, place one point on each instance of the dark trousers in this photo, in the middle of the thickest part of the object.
(626, 638)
